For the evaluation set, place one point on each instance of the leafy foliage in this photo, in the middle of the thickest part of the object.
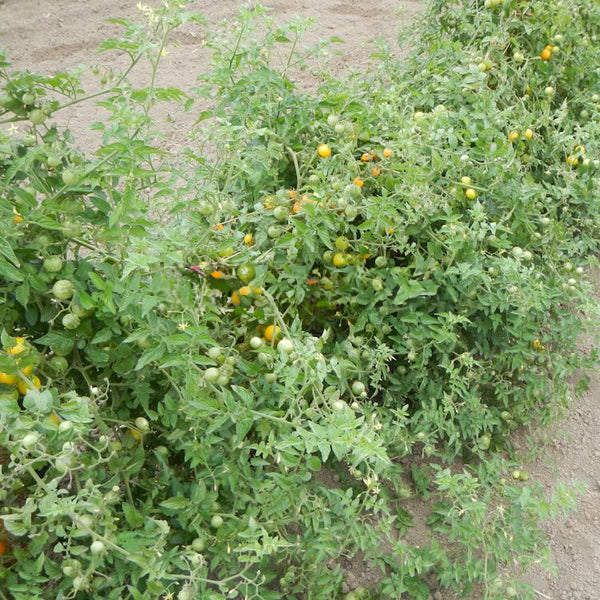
(224, 374)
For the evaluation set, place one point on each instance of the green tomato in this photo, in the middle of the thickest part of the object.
(285, 346)
(246, 272)
(199, 544)
(358, 388)
(69, 177)
(256, 342)
(211, 375)
(274, 232)
(63, 289)
(216, 521)
(53, 160)
(53, 264)
(71, 229)
(142, 424)
(71, 321)
(281, 213)
(37, 116)
(58, 364)
(342, 242)
(28, 98)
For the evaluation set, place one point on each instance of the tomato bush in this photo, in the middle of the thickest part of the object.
(224, 372)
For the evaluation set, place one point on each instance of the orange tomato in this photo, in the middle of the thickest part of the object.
(244, 291)
(2, 547)
(546, 54)
(366, 157)
(312, 281)
(217, 274)
(358, 182)
(376, 172)
(387, 152)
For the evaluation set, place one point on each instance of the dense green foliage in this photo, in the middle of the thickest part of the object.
(388, 280)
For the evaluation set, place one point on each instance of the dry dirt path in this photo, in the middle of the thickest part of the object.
(51, 35)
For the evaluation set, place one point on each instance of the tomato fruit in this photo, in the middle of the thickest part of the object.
(97, 547)
(53, 264)
(324, 150)
(342, 242)
(37, 116)
(272, 332)
(339, 259)
(216, 521)
(285, 346)
(7, 379)
(63, 289)
(24, 388)
(71, 321)
(212, 375)
(246, 272)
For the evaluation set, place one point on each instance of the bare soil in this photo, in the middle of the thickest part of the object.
(57, 35)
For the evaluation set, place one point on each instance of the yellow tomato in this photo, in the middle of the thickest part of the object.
(387, 152)
(272, 332)
(324, 150)
(23, 387)
(244, 291)
(529, 134)
(7, 379)
(339, 259)
(235, 298)
(470, 193)
(513, 136)
(18, 347)
(248, 239)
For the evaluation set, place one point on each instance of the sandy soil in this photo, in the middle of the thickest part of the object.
(51, 35)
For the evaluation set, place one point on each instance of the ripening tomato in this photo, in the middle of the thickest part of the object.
(324, 150)
(272, 332)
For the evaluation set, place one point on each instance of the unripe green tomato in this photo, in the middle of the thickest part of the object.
(377, 284)
(206, 209)
(79, 582)
(214, 353)
(5, 99)
(53, 160)
(97, 547)
(358, 387)
(142, 424)
(28, 98)
(381, 261)
(223, 380)
(342, 242)
(256, 342)
(211, 375)
(62, 465)
(274, 232)
(270, 377)
(30, 440)
(65, 426)
(69, 571)
(216, 521)
(484, 442)
(281, 213)
(338, 405)
(63, 289)
(327, 257)
(71, 229)
(199, 544)
(351, 212)
(246, 272)
(58, 364)
(263, 357)
(69, 177)
(71, 321)
(29, 140)
(53, 264)
(332, 120)
(285, 346)
(37, 116)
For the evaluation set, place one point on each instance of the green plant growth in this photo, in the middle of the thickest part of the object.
(224, 373)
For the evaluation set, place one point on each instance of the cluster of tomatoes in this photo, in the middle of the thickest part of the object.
(22, 378)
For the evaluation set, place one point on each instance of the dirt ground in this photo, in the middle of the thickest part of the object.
(52, 35)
